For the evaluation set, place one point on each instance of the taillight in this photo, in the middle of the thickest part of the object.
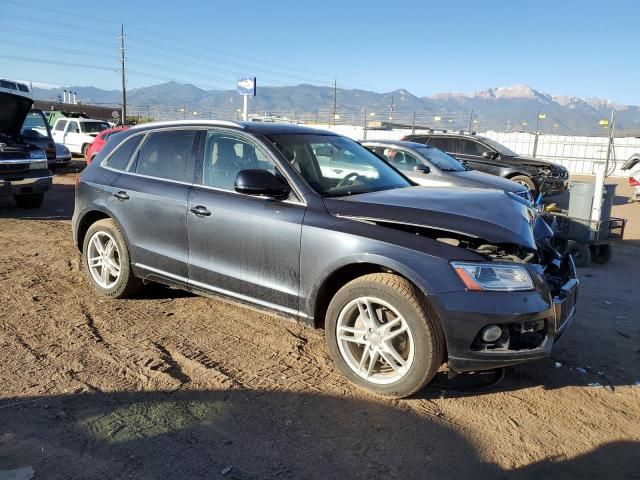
(634, 182)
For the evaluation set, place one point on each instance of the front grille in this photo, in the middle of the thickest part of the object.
(13, 168)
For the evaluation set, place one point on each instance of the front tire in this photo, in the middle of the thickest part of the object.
(527, 182)
(383, 336)
(30, 201)
(106, 260)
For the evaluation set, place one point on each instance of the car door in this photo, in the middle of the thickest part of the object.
(71, 136)
(58, 131)
(240, 245)
(149, 200)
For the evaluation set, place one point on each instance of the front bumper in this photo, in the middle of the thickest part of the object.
(531, 321)
(552, 186)
(34, 181)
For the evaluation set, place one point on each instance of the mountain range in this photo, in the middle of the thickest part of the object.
(513, 107)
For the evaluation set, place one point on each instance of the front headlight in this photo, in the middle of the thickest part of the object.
(493, 277)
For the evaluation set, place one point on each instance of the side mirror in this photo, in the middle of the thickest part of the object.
(421, 168)
(255, 181)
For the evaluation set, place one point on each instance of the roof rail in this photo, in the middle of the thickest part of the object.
(169, 123)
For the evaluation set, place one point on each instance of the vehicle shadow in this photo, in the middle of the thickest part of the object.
(58, 205)
(244, 434)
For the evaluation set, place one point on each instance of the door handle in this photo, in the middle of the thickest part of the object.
(200, 211)
(121, 195)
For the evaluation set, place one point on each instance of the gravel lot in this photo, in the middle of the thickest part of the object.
(171, 385)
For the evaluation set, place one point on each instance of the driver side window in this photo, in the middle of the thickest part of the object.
(226, 155)
(469, 147)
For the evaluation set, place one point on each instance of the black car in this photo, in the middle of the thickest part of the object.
(487, 155)
(402, 278)
(24, 173)
(36, 131)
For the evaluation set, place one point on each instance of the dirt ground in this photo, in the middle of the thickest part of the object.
(171, 385)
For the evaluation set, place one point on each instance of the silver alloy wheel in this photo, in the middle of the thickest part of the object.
(524, 184)
(103, 259)
(374, 340)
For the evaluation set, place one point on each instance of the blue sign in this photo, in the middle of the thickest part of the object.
(247, 86)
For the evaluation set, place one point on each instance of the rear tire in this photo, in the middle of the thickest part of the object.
(101, 237)
(30, 201)
(527, 182)
(414, 334)
(84, 151)
(581, 254)
(600, 254)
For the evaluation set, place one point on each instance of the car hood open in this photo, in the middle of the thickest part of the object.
(13, 111)
(492, 215)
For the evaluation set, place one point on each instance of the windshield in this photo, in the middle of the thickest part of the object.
(94, 127)
(444, 162)
(34, 126)
(336, 166)
(501, 149)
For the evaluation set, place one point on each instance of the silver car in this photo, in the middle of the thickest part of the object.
(429, 166)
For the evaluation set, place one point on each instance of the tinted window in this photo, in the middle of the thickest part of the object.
(60, 125)
(120, 158)
(94, 127)
(226, 155)
(417, 139)
(443, 143)
(469, 147)
(22, 88)
(166, 154)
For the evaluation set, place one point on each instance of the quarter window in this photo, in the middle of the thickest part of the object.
(226, 155)
(120, 158)
(60, 125)
(166, 154)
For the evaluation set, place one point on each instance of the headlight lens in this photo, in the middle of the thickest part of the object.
(37, 154)
(38, 165)
(493, 277)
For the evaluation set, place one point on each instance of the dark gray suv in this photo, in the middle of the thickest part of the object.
(314, 226)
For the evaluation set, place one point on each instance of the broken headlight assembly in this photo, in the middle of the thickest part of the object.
(494, 277)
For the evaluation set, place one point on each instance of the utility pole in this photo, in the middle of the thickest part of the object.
(335, 101)
(364, 124)
(391, 110)
(471, 121)
(413, 123)
(124, 88)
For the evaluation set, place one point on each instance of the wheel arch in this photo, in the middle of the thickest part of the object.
(340, 275)
(89, 218)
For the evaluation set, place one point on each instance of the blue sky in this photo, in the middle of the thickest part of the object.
(586, 48)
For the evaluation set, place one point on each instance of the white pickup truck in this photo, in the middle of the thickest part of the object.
(77, 133)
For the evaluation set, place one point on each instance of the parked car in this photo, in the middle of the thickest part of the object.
(24, 173)
(487, 155)
(429, 166)
(63, 155)
(36, 130)
(77, 133)
(100, 141)
(402, 278)
(632, 166)
(15, 87)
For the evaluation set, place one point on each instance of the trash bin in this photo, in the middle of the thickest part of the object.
(581, 200)
(580, 206)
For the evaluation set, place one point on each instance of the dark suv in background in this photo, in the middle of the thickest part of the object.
(314, 226)
(489, 156)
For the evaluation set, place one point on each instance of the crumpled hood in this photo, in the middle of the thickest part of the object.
(13, 111)
(534, 162)
(492, 215)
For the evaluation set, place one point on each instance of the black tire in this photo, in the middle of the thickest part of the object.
(126, 284)
(84, 150)
(581, 254)
(600, 254)
(527, 182)
(30, 201)
(422, 320)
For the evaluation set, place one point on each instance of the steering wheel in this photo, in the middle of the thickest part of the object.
(349, 178)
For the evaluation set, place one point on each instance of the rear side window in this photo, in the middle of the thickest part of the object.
(120, 158)
(166, 154)
(60, 125)
(443, 143)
